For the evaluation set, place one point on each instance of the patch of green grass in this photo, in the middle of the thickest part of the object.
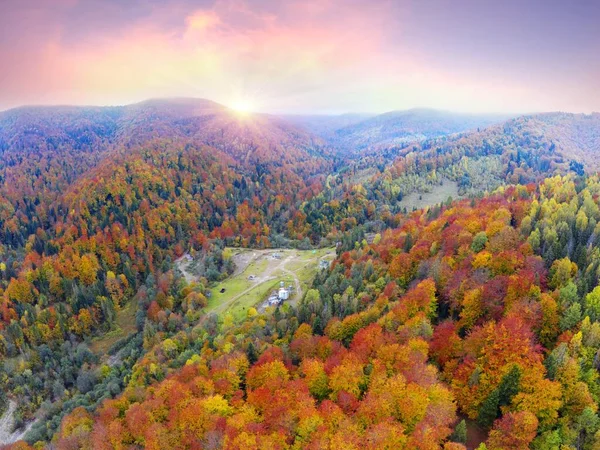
(233, 287)
(309, 259)
(124, 326)
(239, 308)
(256, 267)
(438, 194)
(306, 275)
(241, 294)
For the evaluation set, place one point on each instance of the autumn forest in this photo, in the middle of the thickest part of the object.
(461, 310)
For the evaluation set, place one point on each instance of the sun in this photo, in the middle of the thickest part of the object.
(242, 106)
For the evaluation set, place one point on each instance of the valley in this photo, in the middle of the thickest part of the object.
(179, 244)
(299, 225)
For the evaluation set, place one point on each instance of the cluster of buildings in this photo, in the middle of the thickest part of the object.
(283, 293)
(279, 296)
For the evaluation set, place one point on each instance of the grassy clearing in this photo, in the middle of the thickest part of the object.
(306, 275)
(124, 326)
(438, 194)
(310, 257)
(239, 307)
(240, 293)
(236, 284)
(233, 287)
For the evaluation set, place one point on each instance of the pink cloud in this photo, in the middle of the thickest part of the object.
(228, 51)
(201, 21)
(295, 55)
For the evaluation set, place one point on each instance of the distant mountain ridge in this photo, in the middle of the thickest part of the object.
(326, 125)
(355, 132)
(52, 157)
(522, 150)
(85, 128)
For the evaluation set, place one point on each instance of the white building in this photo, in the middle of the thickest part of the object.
(284, 294)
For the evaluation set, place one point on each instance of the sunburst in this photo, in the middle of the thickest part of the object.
(243, 106)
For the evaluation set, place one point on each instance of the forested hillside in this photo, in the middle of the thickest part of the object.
(525, 150)
(45, 150)
(463, 322)
(518, 151)
(474, 317)
(96, 200)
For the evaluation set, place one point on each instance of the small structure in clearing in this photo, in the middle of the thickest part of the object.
(324, 264)
(274, 300)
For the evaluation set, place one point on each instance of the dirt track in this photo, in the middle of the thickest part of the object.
(7, 436)
(256, 271)
(266, 276)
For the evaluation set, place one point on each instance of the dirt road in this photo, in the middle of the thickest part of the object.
(266, 276)
(7, 435)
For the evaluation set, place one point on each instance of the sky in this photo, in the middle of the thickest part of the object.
(305, 56)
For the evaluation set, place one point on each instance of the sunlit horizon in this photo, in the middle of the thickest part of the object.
(248, 108)
(304, 57)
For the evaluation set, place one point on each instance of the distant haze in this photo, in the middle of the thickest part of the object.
(305, 56)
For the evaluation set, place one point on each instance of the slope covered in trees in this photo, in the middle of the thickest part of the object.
(475, 312)
(369, 190)
(479, 310)
(96, 200)
(46, 149)
(520, 150)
